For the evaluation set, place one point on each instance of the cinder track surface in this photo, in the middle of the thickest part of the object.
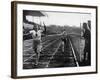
(52, 55)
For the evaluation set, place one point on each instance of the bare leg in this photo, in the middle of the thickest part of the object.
(38, 56)
(62, 46)
(38, 52)
(36, 61)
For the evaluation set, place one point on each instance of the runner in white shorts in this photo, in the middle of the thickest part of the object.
(36, 35)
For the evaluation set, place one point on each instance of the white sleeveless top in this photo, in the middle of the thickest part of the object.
(36, 35)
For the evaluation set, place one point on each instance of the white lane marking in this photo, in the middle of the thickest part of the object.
(28, 49)
(42, 49)
(29, 57)
(53, 54)
(46, 42)
(31, 47)
(49, 44)
(34, 63)
(74, 54)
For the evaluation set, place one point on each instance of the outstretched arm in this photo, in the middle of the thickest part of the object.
(44, 29)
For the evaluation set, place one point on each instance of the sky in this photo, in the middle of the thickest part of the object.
(61, 18)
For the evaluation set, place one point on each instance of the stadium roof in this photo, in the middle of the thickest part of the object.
(33, 13)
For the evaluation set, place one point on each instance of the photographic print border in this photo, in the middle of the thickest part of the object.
(14, 37)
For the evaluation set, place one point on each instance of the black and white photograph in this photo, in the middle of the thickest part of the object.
(56, 39)
(53, 39)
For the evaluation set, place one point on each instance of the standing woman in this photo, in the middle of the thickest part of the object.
(87, 49)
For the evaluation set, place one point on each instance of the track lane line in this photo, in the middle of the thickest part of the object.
(42, 49)
(74, 54)
(53, 55)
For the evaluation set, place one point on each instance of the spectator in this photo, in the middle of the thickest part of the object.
(87, 49)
